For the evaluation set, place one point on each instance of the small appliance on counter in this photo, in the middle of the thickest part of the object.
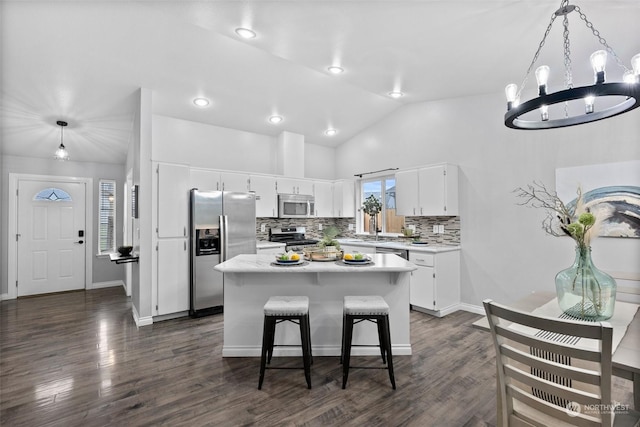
(293, 237)
(222, 225)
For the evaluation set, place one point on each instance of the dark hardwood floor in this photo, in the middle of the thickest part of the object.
(77, 359)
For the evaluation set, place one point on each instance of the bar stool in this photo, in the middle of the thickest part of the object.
(280, 309)
(372, 308)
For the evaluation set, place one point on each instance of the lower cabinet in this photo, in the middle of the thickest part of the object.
(173, 276)
(435, 285)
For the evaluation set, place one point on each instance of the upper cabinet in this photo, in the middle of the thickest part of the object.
(407, 194)
(204, 179)
(231, 181)
(173, 200)
(294, 186)
(266, 198)
(344, 199)
(428, 191)
(323, 193)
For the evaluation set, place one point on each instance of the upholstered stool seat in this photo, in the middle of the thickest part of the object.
(372, 308)
(279, 309)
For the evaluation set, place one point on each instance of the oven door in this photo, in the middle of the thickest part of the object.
(295, 205)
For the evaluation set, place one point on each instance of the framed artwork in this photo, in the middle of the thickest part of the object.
(610, 191)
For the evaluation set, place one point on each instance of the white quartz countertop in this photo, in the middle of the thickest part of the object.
(265, 244)
(435, 248)
(250, 263)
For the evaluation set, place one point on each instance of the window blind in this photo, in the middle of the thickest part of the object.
(107, 217)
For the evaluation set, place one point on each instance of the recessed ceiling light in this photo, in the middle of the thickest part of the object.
(275, 119)
(245, 33)
(396, 94)
(330, 132)
(334, 69)
(201, 102)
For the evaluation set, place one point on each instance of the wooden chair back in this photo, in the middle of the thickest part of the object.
(544, 377)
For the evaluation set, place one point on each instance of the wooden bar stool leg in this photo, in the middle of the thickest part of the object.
(272, 336)
(344, 322)
(387, 336)
(305, 345)
(383, 348)
(347, 349)
(265, 347)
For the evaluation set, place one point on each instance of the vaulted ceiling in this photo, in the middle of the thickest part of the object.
(83, 61)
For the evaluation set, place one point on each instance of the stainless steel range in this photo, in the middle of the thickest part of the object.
(294, 237)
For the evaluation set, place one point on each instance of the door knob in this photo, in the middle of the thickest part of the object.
(79, 242)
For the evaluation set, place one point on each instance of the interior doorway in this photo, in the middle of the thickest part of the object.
(50, 230)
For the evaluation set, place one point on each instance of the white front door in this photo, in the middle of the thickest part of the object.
(51, 236)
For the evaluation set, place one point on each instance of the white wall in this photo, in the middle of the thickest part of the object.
(505, 253)
(214, 147)
(103, 269)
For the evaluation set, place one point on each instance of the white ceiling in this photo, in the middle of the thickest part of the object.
(83, 61)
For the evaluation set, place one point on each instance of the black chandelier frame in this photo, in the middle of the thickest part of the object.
(629, 90)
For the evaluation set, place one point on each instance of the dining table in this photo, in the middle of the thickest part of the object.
(626, 357)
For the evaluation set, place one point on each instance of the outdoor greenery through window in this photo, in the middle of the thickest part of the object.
(107, 217)
(384, 190)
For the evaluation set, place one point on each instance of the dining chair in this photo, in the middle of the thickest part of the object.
(553, 372)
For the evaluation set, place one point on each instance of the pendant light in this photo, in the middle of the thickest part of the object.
(61, 153)
(627, 91)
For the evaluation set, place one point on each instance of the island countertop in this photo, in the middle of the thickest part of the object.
(265, 263)
(250, 280)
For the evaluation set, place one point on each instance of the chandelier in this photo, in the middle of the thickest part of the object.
(61, 152)
(601, 100)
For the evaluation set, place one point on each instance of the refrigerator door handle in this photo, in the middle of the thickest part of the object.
(224, 247)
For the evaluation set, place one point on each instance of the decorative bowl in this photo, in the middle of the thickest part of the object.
(329, 253)
(125, 250)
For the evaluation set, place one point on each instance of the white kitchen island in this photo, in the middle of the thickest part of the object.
(249, 281)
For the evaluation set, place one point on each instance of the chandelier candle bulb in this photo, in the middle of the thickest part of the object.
(588, 104)
(511, 91)
(542, 77)
(599, 62)
(544, 113)
(635, 64)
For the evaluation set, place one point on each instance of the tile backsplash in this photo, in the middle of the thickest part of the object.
(424, 228)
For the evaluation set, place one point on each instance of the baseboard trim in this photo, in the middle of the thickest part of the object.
(140, 321)
(109, 284)
(471, 308)
(4, 297)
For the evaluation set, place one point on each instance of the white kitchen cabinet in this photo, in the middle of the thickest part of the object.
(173, 200)
(204, 179)
(344, 199)
(294, 186)
(438, 190)
(428, 191)
(173, 276)
(407, 203)
(323, 193)
(435, 285)
(231, 181)
(266, 198)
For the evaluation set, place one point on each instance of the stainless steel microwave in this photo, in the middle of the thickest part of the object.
(296, 206)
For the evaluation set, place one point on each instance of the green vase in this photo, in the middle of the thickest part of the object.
(584, 292)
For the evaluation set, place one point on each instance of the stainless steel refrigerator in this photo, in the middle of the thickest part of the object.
(223, 225)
